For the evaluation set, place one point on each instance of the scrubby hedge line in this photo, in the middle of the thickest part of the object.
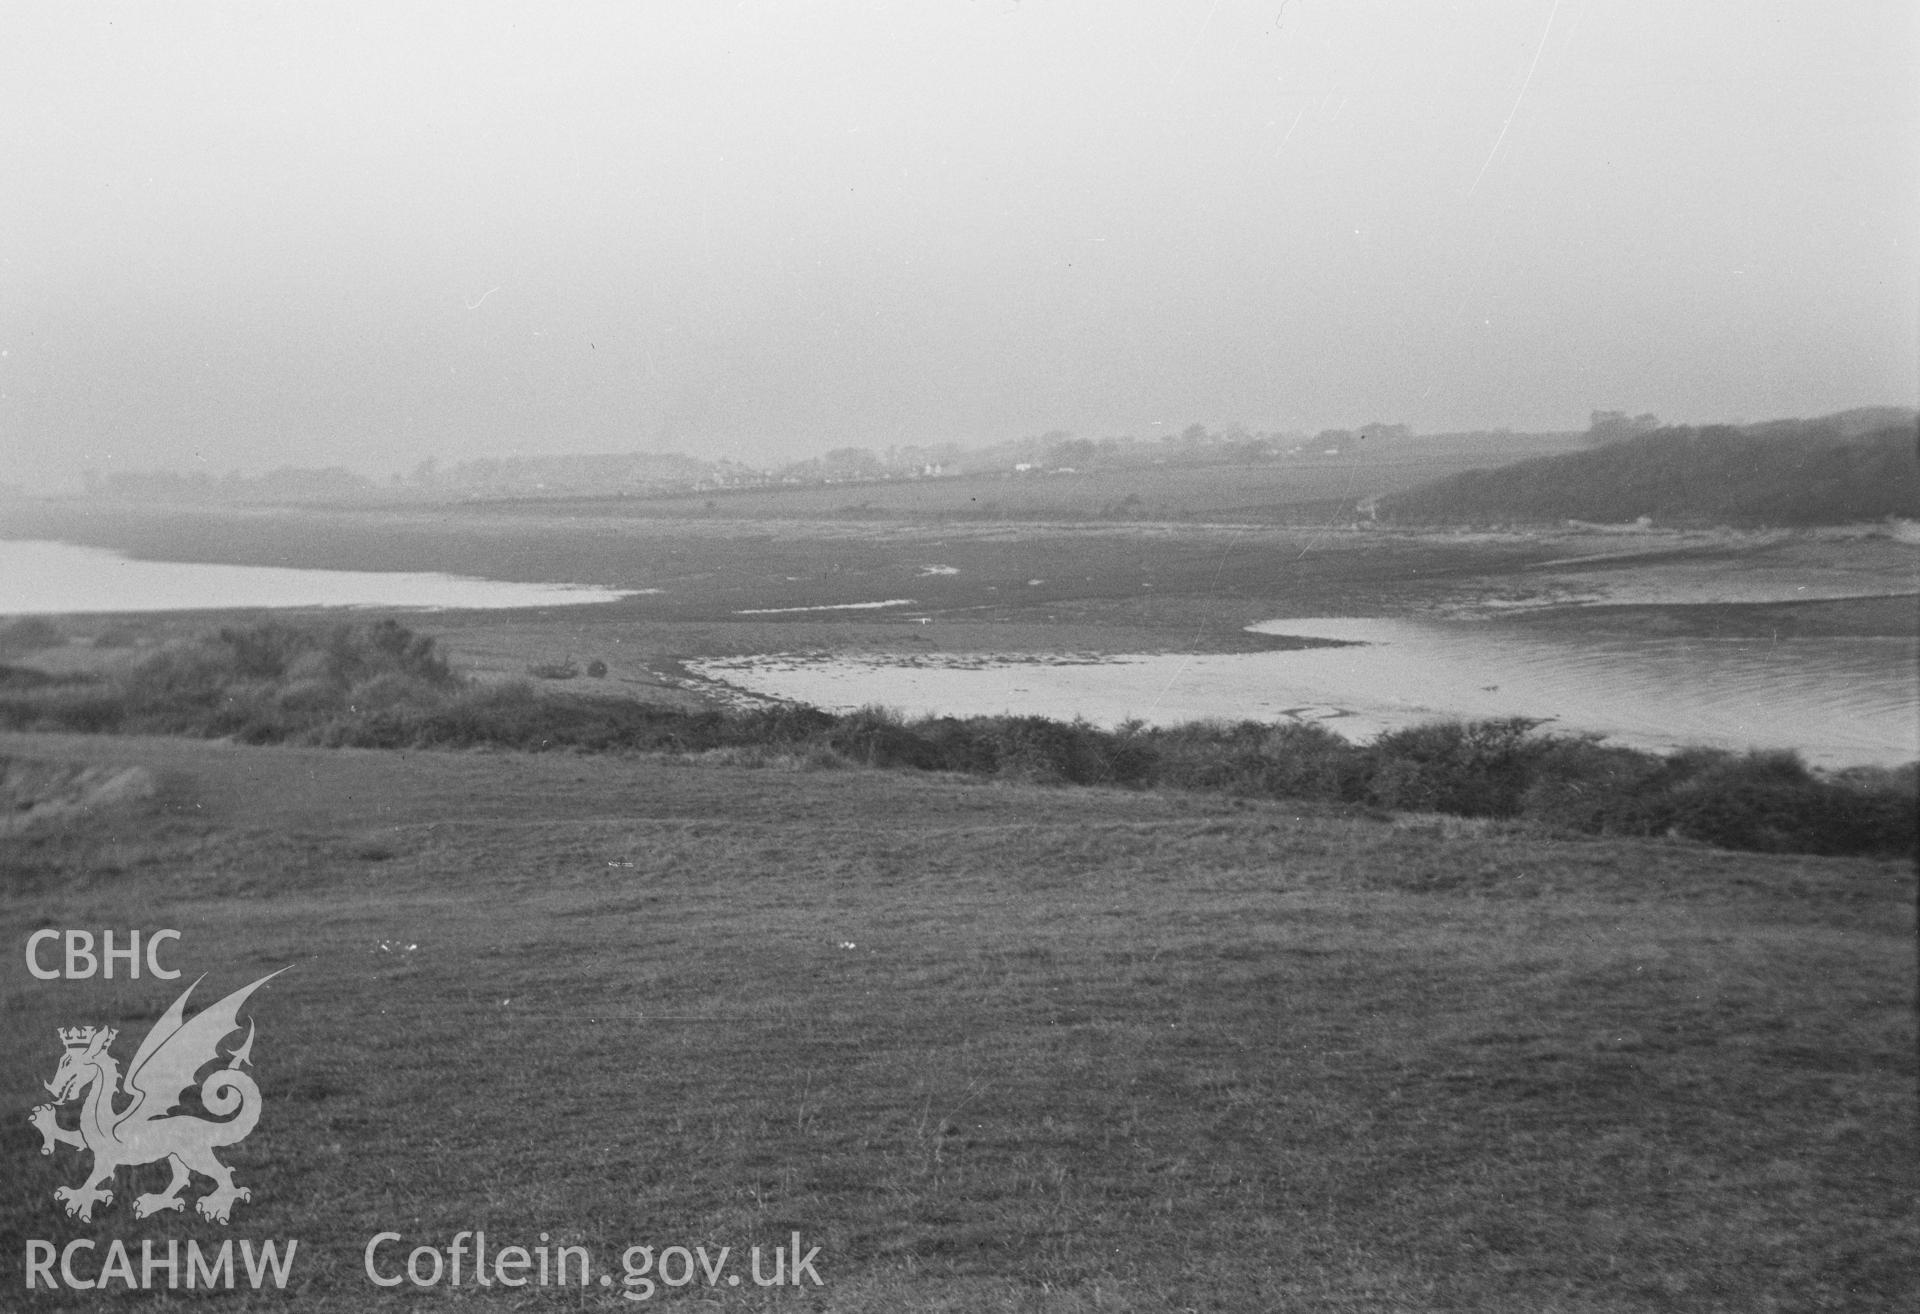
(381, 686)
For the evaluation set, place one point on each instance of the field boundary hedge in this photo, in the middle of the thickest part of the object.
(382, 686)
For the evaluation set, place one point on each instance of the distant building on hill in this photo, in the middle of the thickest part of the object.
(1613, 426)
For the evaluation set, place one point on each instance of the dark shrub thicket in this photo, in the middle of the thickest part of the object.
(876, 736)
(1590, 788)
(1013, 747)
(28, 634)
(380, 686)
(784, 725)
(1250, 758)
(1772, 802)
(1473, 769)
(27, 677)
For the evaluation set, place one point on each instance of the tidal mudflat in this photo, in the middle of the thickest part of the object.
(1801, 639)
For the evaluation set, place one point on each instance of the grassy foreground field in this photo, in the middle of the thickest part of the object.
(987, 1046)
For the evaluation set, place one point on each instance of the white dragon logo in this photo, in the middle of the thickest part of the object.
(146, 1130)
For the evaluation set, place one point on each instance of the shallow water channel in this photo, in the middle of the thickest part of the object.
(44, 578)
(1840, 701)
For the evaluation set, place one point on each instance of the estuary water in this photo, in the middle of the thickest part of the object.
(44, 578)
(1840, 701)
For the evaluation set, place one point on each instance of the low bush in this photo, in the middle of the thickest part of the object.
(1468, 768)
(1773, 803)
(1291, 760)
(87, 708)
(29, 634)
(1581, 785)
(28, 677)
(878, 736)
(783, 723)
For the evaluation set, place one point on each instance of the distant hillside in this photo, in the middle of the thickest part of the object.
(1790, 472)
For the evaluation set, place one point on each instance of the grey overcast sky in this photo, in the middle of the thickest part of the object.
(244, 235)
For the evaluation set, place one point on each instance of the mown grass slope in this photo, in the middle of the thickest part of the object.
(993, 1046)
